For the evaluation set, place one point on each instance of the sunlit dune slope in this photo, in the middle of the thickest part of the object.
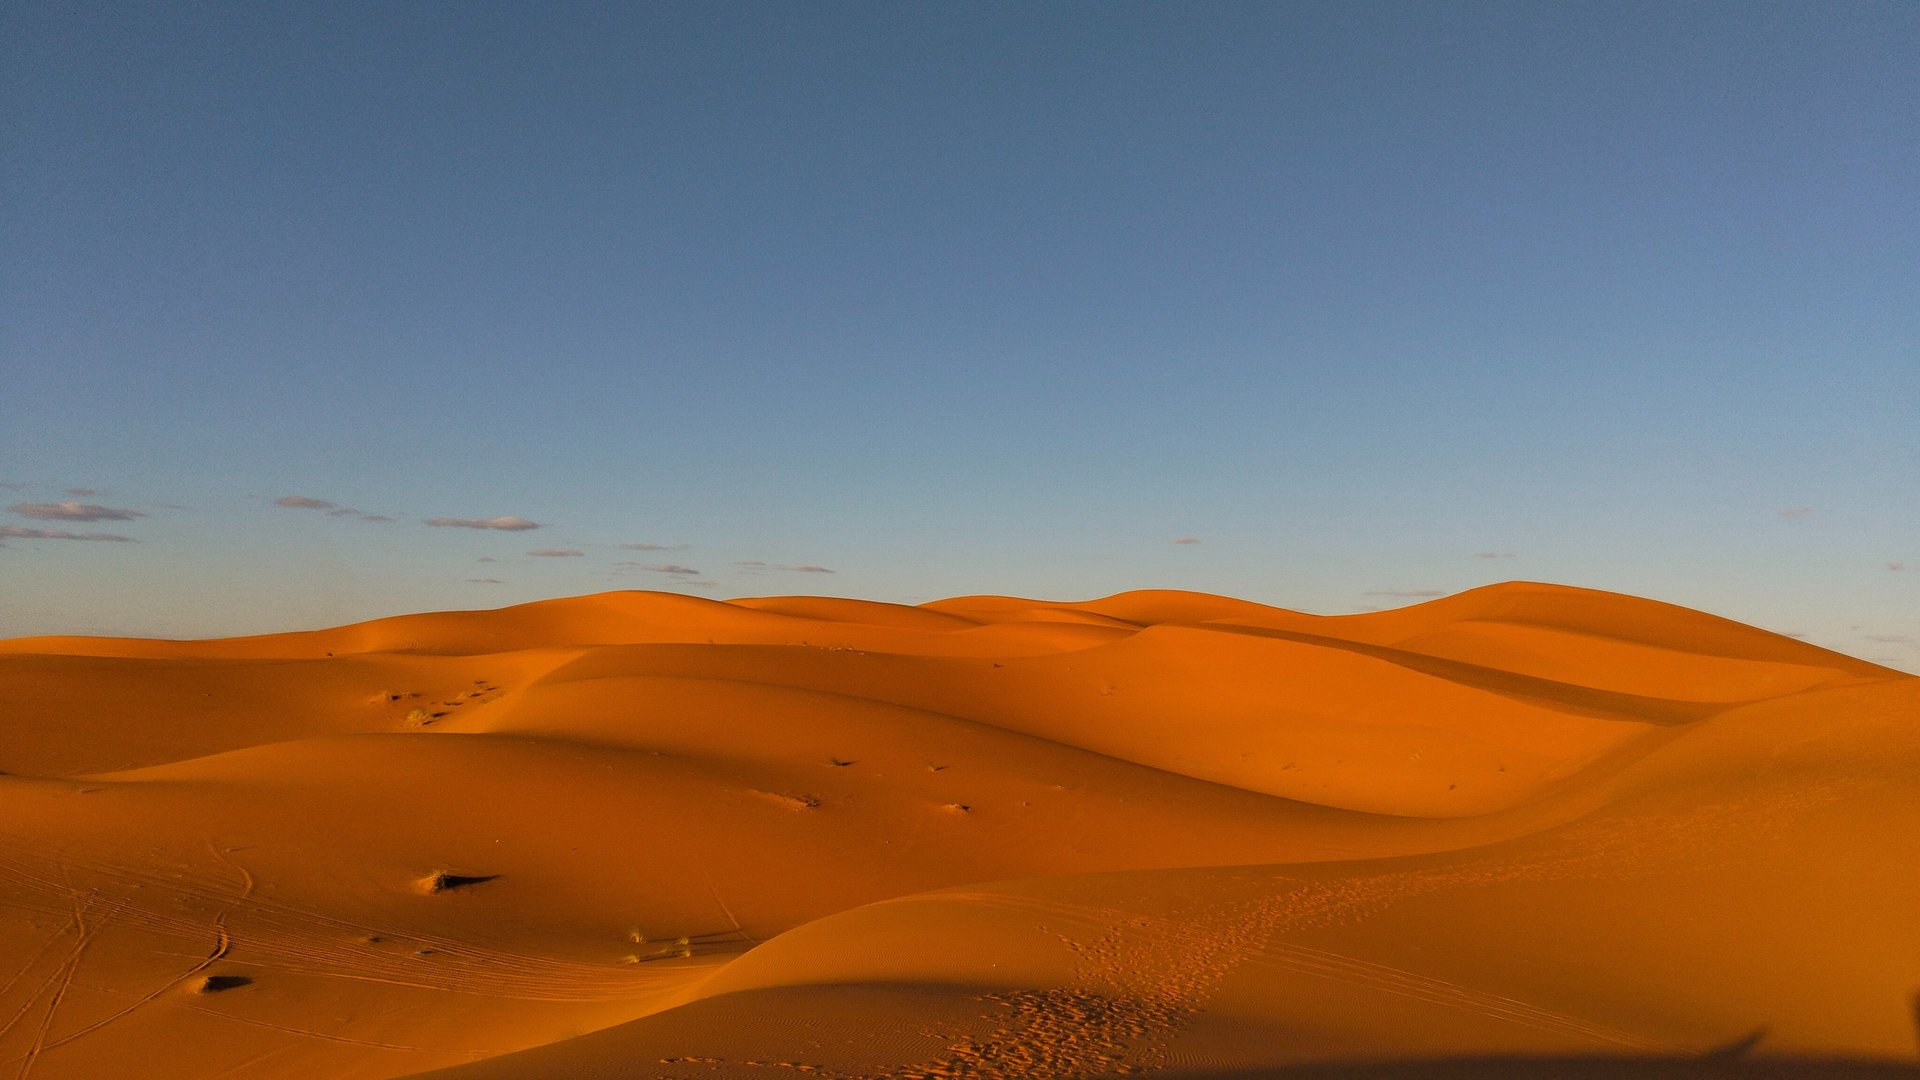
(647, 835)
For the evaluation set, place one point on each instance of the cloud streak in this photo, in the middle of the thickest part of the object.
(1796, 513)
(73, 511)
(504, 524)
(308, 502)
(1186, 540)
(754, 566)
(556, 553)
(22, 532)
(655, 547)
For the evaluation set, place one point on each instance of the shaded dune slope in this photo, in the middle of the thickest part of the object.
(642, 834)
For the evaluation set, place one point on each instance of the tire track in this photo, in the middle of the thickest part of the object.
(61, 981)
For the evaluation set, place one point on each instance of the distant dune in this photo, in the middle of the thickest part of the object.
(1526, 831)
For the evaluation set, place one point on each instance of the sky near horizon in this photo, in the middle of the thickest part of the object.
(1328, 306)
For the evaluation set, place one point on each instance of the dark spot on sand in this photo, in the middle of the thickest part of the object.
(441, 881)
(213, 984)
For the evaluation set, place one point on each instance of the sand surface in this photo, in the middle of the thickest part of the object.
(1529, 828)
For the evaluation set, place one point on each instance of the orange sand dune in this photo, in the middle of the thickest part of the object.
(1530, 830)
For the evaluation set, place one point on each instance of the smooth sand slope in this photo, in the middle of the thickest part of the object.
(1529, 829)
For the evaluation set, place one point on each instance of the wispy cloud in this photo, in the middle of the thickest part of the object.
(504, 524)
(751, 564)
(483, 581)
(1797, 512)
(308, 502)
(666, 568)
(82, 493)
(21, 532)
(73, 511)
(754, 566)
(655, 547)
(486, 558)
(1896, 567)
(805, 568)
(1186, 539)
(1493, 554)
(1408, 594)
(556, 553)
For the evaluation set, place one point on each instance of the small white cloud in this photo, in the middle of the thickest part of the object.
(1797, 512)
(73, 511)
(655, 547)
(751, 564)
(21, 532)
(1186, 539)
(504, 524)
(556, 553)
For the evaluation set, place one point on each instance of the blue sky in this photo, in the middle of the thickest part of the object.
(1369, 300)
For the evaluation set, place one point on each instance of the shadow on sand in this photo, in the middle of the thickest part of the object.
(1579, 1068)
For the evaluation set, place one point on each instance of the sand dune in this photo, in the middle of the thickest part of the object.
(1530, 830)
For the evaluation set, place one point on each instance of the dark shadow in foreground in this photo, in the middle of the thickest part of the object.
(1577, 1068)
